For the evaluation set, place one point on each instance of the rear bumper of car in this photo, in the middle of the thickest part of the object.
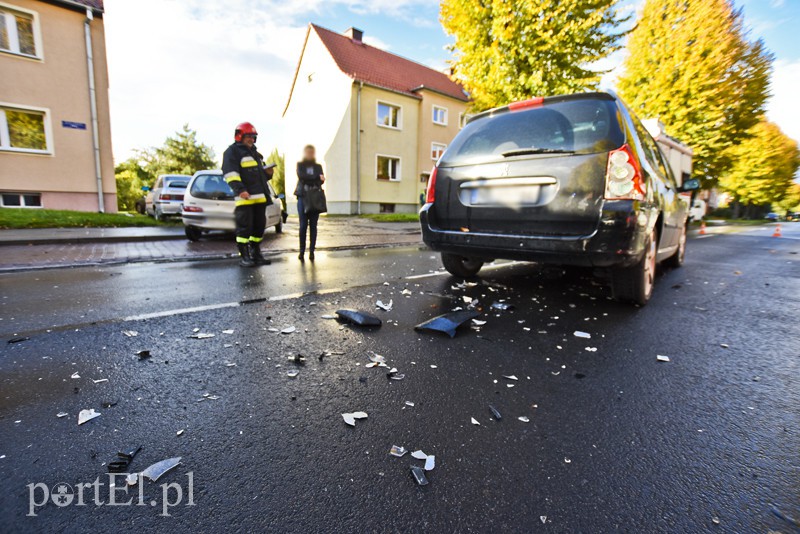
(618, 240)
(169, 207)
(202, 220)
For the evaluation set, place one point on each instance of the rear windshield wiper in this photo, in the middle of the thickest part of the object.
(534, 150)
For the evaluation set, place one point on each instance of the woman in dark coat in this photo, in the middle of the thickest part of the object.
(309, 174)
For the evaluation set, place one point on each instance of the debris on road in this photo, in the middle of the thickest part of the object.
(180, 432)
(724, 345)
(123, 460)
(228, 332)
(783, 516)
(584, 335)
(298, 359)
(201, 335)
(99, 380)
(350, 418)
(157, 470)
(524, 419)
(357, 318)
(419, 475)
(329, 316)
(419, 455)
(406, 292)
(289, 330)
(17, 340)
(61, 414)
(398, 451)
(662, 358)
(75, 375)
(495, 413)
(502, 306)
(130, 333)
(510, 377)
(87, 415)
(430, 463)
(449, 322)
(376, 360)
(478, 322)
(293, 373)
(143, 354)
(409, 403)
(475, 421)
(383, 306)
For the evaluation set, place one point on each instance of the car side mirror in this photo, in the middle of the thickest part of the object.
(691, 185)
(145, 188)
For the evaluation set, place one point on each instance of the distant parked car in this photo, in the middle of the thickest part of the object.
(564, 180)
(141, 204)
(774, 217)
(209, 202)
(166, 196)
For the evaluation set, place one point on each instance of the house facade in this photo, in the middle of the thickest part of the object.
(379, 122)
(55, 134)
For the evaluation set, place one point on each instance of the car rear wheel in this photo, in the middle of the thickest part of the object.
(193, 233)
(676, 260)
(460, 266)
(635, 284)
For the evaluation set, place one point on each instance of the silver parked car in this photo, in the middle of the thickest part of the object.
(209, 203)
(166, 197)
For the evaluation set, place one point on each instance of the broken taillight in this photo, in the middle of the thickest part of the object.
(430, 195)
(624, 176)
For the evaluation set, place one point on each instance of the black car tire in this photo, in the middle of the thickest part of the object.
(279, 228)
(635, 284)
(460, 266)
(193, 233)
(676, 260)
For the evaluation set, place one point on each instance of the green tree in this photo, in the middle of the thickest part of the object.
(181, 153)
(279, 175)
(507, 50)
(763, 169)
(791, 201)
(691, 65)
(131, 176)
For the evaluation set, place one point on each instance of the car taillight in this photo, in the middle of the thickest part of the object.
(624, 176)
(431, 193)
(524, 104)
(193, 209)
(164, 197)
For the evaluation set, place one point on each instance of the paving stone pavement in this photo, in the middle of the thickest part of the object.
(334, 233)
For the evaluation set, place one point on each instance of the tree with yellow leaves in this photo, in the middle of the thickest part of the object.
(691, 65)
(507, 50)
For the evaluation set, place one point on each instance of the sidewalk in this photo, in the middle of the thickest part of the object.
(42, 249)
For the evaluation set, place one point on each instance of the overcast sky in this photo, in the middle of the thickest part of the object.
(214, 63)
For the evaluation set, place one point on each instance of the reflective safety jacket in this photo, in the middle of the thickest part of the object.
(244, 170)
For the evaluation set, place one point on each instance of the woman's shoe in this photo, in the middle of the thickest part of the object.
(311, 255)
(302, 257)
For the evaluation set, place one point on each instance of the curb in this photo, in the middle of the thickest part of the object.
(78, 241)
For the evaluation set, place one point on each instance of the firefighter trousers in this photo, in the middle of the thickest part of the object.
(251, 221)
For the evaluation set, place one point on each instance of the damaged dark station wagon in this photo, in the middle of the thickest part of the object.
(564, 180)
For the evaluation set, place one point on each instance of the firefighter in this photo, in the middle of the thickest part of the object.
(247, 175)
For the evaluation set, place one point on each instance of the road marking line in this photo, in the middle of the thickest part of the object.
(182, 311)
(487, 268)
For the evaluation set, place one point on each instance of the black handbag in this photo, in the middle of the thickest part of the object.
(315, 201)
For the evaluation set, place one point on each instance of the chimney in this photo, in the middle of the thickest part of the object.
(355, 35)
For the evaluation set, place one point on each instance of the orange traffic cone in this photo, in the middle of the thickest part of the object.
(777, 232)
(702, 228)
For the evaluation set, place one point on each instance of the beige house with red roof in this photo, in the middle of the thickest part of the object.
(55, 136)
(379, 121)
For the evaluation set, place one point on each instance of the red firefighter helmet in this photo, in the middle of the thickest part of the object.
(244, 128)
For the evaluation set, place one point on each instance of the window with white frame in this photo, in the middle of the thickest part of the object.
(389, 115)
(21, 200)
(24, 130)
(19, 32)
(440, 115)
(437, 149)
(388, 168)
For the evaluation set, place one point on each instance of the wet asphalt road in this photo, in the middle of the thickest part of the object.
(617, 441)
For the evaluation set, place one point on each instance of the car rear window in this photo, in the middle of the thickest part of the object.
(177, 185)
(584, 126)
(211, 186)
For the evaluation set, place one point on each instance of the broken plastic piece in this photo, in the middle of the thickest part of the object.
(123, 460)
(475, 421)
(495, 413)
(502, 306)
(385, 307)
(407, 292)
(398, 451)
(87, 415)
(449, 322)
(143, 354)
(17, 340)
(293, 373)
(409, 403)
(328, 316)
(201, 335)
(61, 414)
(357, 318)
(419, 455)
(288, 330)
(75, 375)
(229, 332)
(299, 359)
(396, 376)
(510, 377)
(350, 418)
(430, 463)
(584, 335)
(524, 419)
(419, 475)
(478, 322)
(662, 358)
(157, 470)
(130, 333)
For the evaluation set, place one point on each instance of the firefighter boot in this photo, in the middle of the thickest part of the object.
(256, 256)
(245, 260)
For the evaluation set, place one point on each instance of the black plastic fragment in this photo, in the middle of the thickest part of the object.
(299, 359)
(495, 413)
(449, 322)
(143, 354)
(17, 340)
(419, 475)
(123, 460)
(357, 318)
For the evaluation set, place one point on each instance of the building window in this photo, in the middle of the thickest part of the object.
(387, 208)
(437, 149)
(424, 177)
(21, 200)
(19, 32)
(24, 130)
(389, 116)
(388, 168)
(440, 115)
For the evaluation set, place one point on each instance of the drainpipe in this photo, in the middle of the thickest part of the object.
(358, 151)
(93, 104)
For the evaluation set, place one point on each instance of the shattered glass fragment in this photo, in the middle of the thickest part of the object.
(61, 414)
(357, 318)
(396, 376)
(409, 403)
(662, 358)
(419, 475)
(449, 322)
(406, 292)
(478, 322)
(87, 415)
(75, 375)
(510, 377)
(143, 354)
(157, 470)
(524, 419)
(584, 335)
(430, 463)
(495, 413)
(502, 306)
(419, 455)
(397, 451)
(229, 331)
(293, 373)
(299, 359)
(328, 316)
(350, 418)
(130, 333)
(201, 335)
(384, 306)
(288, 330)
(475, 421)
